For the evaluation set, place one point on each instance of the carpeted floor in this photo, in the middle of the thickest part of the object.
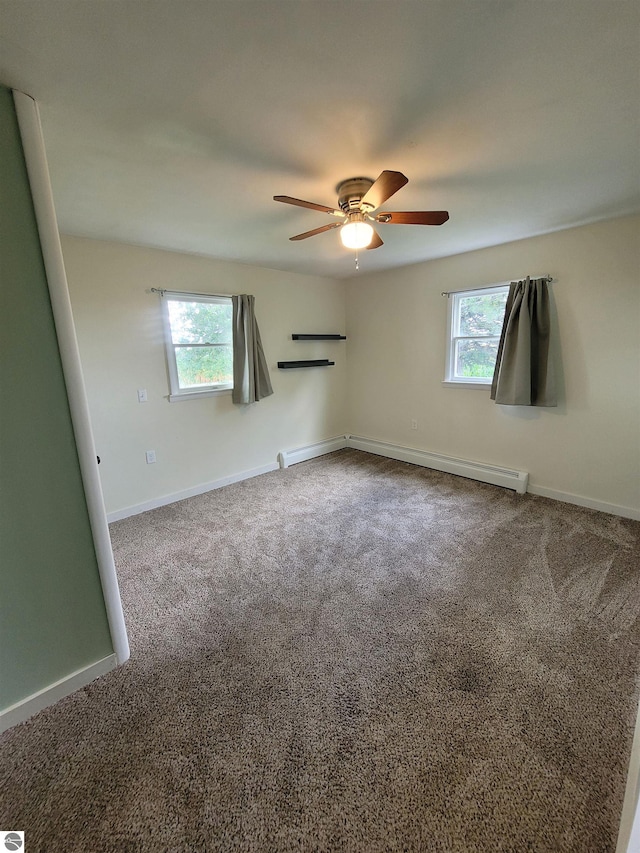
(353, 654)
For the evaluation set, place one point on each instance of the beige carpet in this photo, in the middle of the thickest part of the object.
(353, 654)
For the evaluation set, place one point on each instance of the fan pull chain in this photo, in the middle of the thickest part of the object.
(357, 264)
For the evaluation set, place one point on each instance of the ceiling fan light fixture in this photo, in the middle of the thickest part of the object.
(358, 198)
(356, 233)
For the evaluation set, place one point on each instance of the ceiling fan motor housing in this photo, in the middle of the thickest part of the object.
(351, 192)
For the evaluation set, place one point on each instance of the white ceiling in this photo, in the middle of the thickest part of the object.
(173, 123)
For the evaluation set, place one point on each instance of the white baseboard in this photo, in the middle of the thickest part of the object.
(496, 475)
(301, 454)
(516, 480)
(164, 500)
(26, 708)
(589, 503)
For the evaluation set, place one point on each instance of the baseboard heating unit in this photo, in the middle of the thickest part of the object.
(302, 454)
(493, 474)
(516, 480)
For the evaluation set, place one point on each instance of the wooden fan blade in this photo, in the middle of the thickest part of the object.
(316, 231)
(310, 204)
(383, 188)
(376, 242)
(416, 217)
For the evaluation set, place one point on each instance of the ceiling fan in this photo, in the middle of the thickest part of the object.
(358, 198)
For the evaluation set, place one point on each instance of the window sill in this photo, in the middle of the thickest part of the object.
(454, 383)
(196, 395)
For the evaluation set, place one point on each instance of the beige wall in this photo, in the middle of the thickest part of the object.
(590, 445)
(196, 441)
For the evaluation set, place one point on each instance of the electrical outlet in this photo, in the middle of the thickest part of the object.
(414, 423)
(151, 456)
(142, 395)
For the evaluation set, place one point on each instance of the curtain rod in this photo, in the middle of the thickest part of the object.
(447, 293)
(187, 292)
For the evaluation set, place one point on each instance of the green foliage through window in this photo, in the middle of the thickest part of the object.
(476, 324)
(201, 342)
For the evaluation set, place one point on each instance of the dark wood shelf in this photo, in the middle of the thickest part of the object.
(297, 337)
(316, 362)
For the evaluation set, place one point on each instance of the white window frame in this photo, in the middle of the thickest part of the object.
(453, 336)
(176, 393)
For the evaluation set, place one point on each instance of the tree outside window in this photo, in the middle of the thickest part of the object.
(475, 325)
(199, 342)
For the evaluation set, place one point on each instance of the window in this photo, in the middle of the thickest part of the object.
(199, 343)
(474, 327)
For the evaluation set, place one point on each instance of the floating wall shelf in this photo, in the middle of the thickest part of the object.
(317, 362)
(319, 337)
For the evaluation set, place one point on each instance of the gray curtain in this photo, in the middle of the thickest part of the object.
(523, 374)
(250, 373)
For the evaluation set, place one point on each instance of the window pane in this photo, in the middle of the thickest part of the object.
(198, 366)
(476, 359)
(200, 322)
(482, 315)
